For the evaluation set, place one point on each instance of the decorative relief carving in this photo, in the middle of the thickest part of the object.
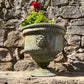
(41, 41)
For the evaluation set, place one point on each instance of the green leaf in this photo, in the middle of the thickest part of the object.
(51, 21)
(33, 13)
(29, 17)
(39, 13)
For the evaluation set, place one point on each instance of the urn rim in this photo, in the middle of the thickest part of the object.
(43, 25)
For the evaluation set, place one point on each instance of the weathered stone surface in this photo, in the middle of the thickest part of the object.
(73, 40)
(82, 2)
(7, 4)
(70, 12)
(82, 41)
(56, 64)
(62, 22)
(15, 52)
(13, 24)
(2, 4)
(79, 66)
(60, 68)
(25, 78)
(27, 56)
(53, 12)
(75, 30)
(5, 55)
(2, 34)
(76, 57)
(25, 12)
(70, 49)
(69, 66)
(82, 10)
(4, 13)
(14, 39)
(64, 82)
(80, 50)
(2, 24)
(12, 13)
(64, 67)
(74, 2)
(8, 66)
(77, 22)
(60, 58)
(59, 2)
(17, 4)
(44, 3)
(27, 64)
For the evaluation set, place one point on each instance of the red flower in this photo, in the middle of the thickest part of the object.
(36, 5)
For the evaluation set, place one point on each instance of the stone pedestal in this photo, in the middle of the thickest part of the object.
(25, 78)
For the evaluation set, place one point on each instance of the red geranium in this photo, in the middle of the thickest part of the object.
(36, 5)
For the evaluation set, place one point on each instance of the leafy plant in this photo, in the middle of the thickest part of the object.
(36, 17)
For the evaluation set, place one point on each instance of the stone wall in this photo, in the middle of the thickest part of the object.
(67, 13)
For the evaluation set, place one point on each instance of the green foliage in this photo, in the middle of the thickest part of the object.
(34, 18)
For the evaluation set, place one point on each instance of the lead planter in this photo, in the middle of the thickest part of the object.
(43, 42)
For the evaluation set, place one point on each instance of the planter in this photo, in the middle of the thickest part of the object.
(43, 42)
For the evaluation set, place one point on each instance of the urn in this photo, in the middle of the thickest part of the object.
(43, 41)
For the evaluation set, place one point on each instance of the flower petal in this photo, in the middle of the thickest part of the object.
(36, 5)
(32, 4)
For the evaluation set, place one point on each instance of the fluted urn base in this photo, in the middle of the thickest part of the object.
(43, 61)
(43, 72)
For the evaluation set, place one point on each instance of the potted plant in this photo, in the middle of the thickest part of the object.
(43, 40)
